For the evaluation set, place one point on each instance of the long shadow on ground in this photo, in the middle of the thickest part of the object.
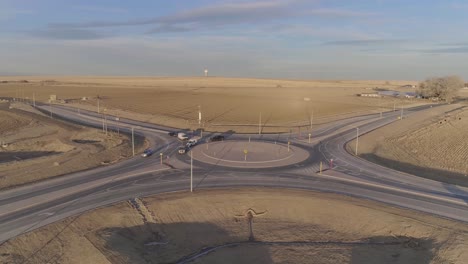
(449, 180)
(429, 173)
(24, 155)
(208, 243)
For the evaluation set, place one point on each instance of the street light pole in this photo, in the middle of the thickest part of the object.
(191, 171)
(260, 124)
(133, 143)
(311, 120)
(105, 120)
(357, 140)
(103, 128)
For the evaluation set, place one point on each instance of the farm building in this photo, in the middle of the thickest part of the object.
(369, 95)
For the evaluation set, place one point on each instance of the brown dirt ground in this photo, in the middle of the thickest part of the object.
(38, 147)
(430, 144)
(289, 226)
(226, 103)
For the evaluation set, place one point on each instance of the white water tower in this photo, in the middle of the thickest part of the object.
(206, 72)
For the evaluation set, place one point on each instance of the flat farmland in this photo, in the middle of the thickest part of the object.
(226, 103)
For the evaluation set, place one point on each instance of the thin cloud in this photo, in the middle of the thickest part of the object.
(221, 14)
(366, 42)
(99, 9)
(454, 50)
(67, 34)
(166, 28)
(10, 13)
(210, 17)
(338, 13)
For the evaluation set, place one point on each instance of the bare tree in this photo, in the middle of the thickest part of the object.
(443, 88)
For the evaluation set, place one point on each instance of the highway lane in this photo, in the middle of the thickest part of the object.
(69, 195)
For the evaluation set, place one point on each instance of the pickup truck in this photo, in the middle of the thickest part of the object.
(192, 142)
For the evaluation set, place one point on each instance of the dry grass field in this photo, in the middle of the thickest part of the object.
(226, 103)
(431, 144)
(37, 147)
(244, 226)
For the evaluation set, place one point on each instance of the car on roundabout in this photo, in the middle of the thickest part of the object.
(147, 153)
(217, 138)
(182, 150)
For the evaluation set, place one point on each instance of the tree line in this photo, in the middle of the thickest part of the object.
(442, 88)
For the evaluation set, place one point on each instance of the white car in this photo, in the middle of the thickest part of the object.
(182, 150)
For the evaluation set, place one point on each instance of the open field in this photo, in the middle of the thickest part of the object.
(226, 103)
(250, 226)
(432, 144)
(37, 147)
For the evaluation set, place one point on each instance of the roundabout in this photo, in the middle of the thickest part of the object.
(245, 154)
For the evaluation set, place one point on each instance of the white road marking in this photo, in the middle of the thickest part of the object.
(47, 214)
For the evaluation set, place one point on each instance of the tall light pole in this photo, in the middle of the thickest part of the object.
(311, 120)
(105, 120)
(260, 124)
(103, 128)
(380, 106)
(191, 171)
(357, 140)
(199, 116)
(133, 142)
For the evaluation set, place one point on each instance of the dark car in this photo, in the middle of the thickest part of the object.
(147, 153)
(217, 138)
(172, 134)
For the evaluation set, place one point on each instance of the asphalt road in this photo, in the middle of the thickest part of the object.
(29, 207)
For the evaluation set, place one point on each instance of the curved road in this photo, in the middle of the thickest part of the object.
(29, 207)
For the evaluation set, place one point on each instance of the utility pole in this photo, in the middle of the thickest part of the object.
(380, 105)
(133, 142)
(34, 99)
(311, 120)
(260, 124)
(105, 118)
(191, 171)
(199, 116)
(357, 140)
(103, 128)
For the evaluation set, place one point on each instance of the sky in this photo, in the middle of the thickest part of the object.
(292, 39)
